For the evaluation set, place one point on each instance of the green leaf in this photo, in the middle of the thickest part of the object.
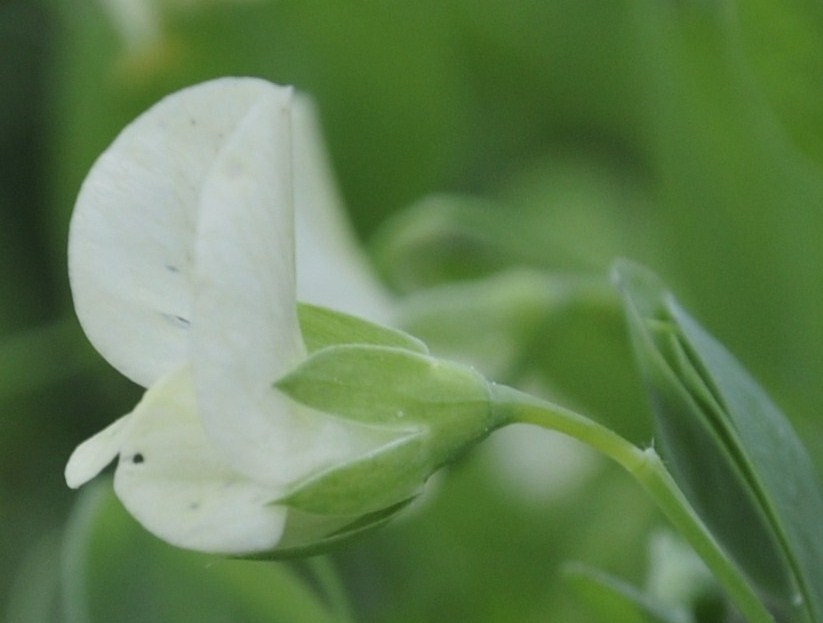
(729, 447)
(772, 458)
(324, 327)
(617, 601)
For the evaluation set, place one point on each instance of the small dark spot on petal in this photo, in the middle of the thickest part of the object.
(194, 506)
(138, 458)
(178, 321)
(172, 268)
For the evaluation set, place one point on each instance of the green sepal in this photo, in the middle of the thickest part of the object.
(436, 408)
(730, 449)
(298, 542)
(391, 388)
(395, 472)
(322, 327)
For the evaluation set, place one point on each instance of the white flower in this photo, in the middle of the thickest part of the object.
(181, 261)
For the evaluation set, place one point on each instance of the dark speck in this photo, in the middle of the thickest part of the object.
(179, 321)
(172, 268)
(194, 506)
(137, 459)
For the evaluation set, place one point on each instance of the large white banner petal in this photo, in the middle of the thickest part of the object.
(245, 332)
(131, 243)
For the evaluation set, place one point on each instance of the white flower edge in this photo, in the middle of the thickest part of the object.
(181, 265)
(245, 332)
(174, 482)
(324, 238)
(141, 198)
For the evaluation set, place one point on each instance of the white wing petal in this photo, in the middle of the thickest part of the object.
(131, 243)
(245, 332)
(175, 483)
(91, 456)
(332, 270)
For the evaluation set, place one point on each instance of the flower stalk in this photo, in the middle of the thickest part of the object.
(646, 467)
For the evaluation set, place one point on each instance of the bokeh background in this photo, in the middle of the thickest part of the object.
(490, 153)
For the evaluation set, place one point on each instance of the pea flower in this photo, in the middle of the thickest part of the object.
(267, 426)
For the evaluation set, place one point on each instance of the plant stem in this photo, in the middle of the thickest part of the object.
(646, 467)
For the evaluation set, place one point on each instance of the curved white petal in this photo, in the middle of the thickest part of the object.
(332, 270)
(175, 483)
(131, 242)
(245, 332)
(92, 456)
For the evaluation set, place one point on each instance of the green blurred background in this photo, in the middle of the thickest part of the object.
(487, 150)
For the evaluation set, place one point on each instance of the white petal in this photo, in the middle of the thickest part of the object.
(131, 243)
(332, 270)
(245, 305)
(245, 332)
(174, 482)
(91, 456)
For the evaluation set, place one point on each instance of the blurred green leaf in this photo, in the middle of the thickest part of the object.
(507, 311)
(562, 212)
(560, 334)
(617, 601)
(34, 596)
(488, 557)
(679, 580)
(737, 201)
(38, 357)
(678, 589)
(783, 44)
